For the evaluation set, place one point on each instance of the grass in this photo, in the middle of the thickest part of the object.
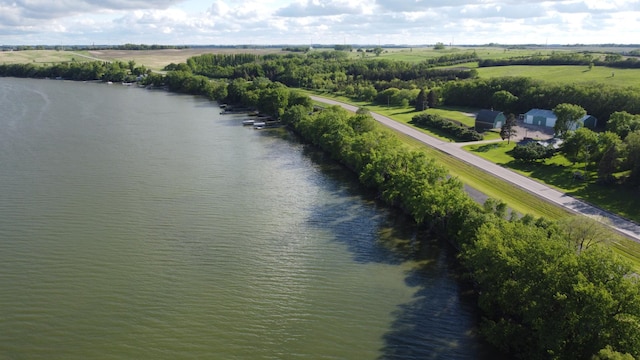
(558, 173)
(566, 74)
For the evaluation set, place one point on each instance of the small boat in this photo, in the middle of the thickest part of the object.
(248, 122)
(259, 125)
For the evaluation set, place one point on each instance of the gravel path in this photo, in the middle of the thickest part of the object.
(623, 226)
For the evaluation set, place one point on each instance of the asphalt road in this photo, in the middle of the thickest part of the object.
(621, 225)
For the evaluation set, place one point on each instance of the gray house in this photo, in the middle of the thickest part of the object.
(489, 119)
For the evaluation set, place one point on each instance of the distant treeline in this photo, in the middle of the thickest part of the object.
(116, 71)
(92, 47)
(610, 60)
(520, 94)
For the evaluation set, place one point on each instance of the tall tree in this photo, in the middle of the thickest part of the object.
(507, 131)
(421, 100)
(432, 98)
(568, 116)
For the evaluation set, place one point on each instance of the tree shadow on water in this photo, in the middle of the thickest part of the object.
(440, 321)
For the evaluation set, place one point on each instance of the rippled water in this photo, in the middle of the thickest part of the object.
(137, 224)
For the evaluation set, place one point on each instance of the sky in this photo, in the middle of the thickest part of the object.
(330, 22)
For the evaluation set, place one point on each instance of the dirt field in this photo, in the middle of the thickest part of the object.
(158, 59)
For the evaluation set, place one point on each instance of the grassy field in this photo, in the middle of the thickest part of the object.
(417, 54)
(38, 57)
(567, 74)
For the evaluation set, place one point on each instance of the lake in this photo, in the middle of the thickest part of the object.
(139, 224)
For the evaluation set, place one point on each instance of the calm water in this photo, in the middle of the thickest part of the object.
(138, 224)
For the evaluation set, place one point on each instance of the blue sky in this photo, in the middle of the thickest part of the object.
(229, 22)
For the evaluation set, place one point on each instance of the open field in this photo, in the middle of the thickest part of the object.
(158, 59)
(153, 59)
(566, 74)
(38, 57)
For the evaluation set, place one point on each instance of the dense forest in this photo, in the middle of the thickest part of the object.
(547, 289)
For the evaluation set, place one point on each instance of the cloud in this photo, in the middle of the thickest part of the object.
(322, 8)
(320, 21)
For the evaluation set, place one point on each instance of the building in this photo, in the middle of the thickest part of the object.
(540, 117)
(489, 119)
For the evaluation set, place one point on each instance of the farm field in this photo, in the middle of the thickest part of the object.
(38, 57)
(158, 59)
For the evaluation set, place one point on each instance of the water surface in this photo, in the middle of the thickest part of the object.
(140, 224)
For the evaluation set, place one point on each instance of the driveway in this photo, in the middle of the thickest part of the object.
(621, 225)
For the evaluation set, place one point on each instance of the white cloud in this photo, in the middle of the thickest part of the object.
(321, 21)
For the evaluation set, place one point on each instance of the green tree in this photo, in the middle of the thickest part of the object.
(580, 145)
(377, 50)
(507, 131)
(632, 161)
(622, 123)
(421, 101)
(504, 100)
(439, 46)
(531, 151)
(568, 116)
(432, 98)
(274, 100)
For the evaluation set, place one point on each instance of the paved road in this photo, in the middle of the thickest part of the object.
(623, 226)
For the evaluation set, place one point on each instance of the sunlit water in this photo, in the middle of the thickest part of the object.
(139, 224)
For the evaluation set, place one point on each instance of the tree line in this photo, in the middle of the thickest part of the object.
(565, 58)
(115, 71)
(520, 94)
(546, 289)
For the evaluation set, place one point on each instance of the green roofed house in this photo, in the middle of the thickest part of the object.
(489, 119)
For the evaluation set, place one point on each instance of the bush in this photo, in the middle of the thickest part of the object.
(450, 127)
(531, 151)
